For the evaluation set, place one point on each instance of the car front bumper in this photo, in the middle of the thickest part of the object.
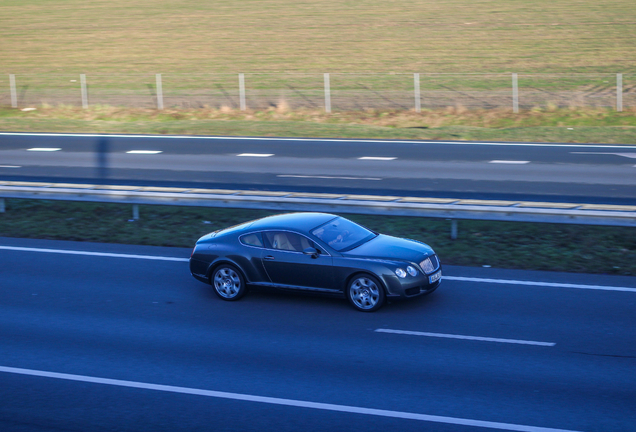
(413, 287)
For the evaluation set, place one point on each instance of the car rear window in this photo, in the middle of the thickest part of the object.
(252, 240)
(289, 241)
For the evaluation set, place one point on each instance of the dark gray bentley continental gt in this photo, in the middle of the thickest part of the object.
(315, 252)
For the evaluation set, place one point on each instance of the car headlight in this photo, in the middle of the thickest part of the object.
(412, 271)
(400, 272)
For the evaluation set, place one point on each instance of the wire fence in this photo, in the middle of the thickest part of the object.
(324, 91)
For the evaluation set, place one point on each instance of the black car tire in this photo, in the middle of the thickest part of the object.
(365, 293)
(228, 282)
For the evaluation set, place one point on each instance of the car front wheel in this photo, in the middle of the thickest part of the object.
(365, 293)
(228, 283)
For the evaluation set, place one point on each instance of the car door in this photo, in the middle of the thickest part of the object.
(286, 264)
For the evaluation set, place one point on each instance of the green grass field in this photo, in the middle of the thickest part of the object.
(196, 36)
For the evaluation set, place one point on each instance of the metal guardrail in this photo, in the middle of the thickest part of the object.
(448, 208)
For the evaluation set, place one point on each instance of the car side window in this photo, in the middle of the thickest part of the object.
(252, 240)
(284, 240)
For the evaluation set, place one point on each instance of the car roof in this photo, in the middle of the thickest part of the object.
(293, 221)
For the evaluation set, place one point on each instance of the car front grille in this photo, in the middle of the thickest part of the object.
(430, 264)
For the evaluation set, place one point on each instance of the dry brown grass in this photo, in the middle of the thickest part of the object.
(317, 35)
(449, 116)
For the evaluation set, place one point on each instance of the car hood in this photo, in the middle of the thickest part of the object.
(391, 248)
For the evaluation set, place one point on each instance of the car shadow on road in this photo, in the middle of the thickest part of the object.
(327, 302)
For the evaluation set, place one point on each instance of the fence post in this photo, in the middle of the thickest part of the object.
(515, 94)
(84, 92)
(327, 94)
(242, 91)
(135, 211)
(416, 85)
(619, 92)
(159, 92)
(2, 205)
(14, 93)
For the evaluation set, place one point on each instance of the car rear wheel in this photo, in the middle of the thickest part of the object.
(228, 282)
(365, 293)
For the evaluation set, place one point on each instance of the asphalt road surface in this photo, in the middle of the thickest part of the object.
(520, 171)
(113, 337)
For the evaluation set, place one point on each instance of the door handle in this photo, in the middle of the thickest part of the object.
(269, 258)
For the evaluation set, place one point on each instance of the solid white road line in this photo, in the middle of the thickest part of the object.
(144, 151)
(44, 149)
(279, 401)
(474, 338)
(256, 154)
(627, 155)
(100, 254)
(328, 177)
(451, 278)
(544, 284)
(377, 158)
(513, 162)
(229, 138)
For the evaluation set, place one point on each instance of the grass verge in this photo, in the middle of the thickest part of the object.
(580, 125)
(571, 248)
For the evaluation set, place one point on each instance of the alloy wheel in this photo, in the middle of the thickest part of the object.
(365, 294)
(227, 283)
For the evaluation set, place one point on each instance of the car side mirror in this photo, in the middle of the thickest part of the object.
(312, 251)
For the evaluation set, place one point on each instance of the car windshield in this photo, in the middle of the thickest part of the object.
(341, 234)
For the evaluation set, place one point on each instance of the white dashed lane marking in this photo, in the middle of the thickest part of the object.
(513, 162)
(10, 166)
(256, 155)
(327, 177)
(44, 149)
(144, 152)
(377, 158)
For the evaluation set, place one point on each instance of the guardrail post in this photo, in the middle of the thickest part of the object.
(453, 229)
(84, 91)
(416, 87)
(135, 211)
(2, 205)
(327, 94)
(242, 92)
(515, 94)
(14, 93)
(619, 92)
(159, 92)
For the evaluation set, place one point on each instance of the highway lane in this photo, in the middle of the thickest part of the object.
(529, 171)
(147, 321)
